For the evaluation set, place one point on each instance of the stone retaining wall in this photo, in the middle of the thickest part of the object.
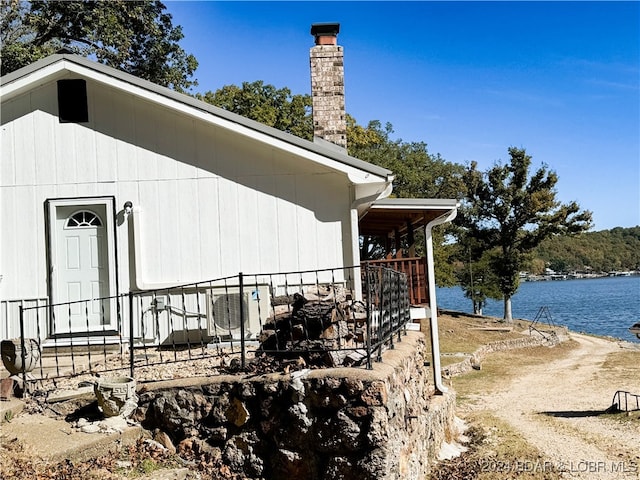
(475, 359)
(336, 423)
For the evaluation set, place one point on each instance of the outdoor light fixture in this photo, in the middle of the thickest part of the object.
(128, 206)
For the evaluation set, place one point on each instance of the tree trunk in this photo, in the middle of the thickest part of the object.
(477, 308)
(507, 310)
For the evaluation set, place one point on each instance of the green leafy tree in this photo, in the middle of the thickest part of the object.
(536, 266)
(478, 281)
(508, 209)
(444, 254)
(418, 174)
(134, 36)
(275, 107)
(592, 252)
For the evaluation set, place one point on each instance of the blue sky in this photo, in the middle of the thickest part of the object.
(471, 79)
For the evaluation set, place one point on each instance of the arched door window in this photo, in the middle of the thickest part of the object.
(83, 219)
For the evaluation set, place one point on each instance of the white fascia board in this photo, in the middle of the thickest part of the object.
(45, 74)
(32, 80)
(443, 204)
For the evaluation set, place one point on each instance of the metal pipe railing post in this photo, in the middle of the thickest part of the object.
(390, 293)
(368, 325)
(242, 314)
(23, 355)
(399, 307)
(131, 334)
(381, 318)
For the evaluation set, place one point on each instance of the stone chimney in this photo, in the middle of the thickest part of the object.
(327, 85)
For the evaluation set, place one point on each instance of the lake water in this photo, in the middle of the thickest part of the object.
(602, 306)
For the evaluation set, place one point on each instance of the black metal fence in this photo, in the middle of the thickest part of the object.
(625, 401)
(257, 322)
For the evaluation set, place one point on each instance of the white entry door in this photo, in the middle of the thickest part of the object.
(82, 273)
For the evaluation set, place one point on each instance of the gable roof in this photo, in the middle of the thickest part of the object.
(56, 66)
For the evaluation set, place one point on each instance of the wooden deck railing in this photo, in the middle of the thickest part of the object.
(416, 270)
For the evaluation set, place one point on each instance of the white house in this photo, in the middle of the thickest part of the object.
(110, 184)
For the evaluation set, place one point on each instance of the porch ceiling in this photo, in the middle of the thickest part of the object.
(389, 215)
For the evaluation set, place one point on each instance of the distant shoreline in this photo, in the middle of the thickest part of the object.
(529, 277)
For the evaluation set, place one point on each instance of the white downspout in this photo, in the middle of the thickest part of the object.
(433, 305)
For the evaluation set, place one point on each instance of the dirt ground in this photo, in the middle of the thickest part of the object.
(557, 404)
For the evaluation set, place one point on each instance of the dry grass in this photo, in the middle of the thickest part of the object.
(497, 450)
(621, 366)
(450, 360)
(460, 333)
(19, 463)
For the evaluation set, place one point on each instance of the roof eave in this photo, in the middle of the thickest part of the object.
(416, 203)
(393, 216)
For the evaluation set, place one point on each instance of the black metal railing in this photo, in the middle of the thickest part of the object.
(625, 401)
(331, 317)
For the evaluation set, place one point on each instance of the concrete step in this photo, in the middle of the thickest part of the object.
(55, 439)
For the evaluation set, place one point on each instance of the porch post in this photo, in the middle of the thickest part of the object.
(396, 241)
(387, 245)
(355, 254)
(411, 239)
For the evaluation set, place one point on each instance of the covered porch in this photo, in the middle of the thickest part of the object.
(396, 221)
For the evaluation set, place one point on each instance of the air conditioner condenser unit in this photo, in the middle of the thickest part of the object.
(223, 311)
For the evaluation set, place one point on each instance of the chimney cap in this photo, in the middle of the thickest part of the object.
(325, 29)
